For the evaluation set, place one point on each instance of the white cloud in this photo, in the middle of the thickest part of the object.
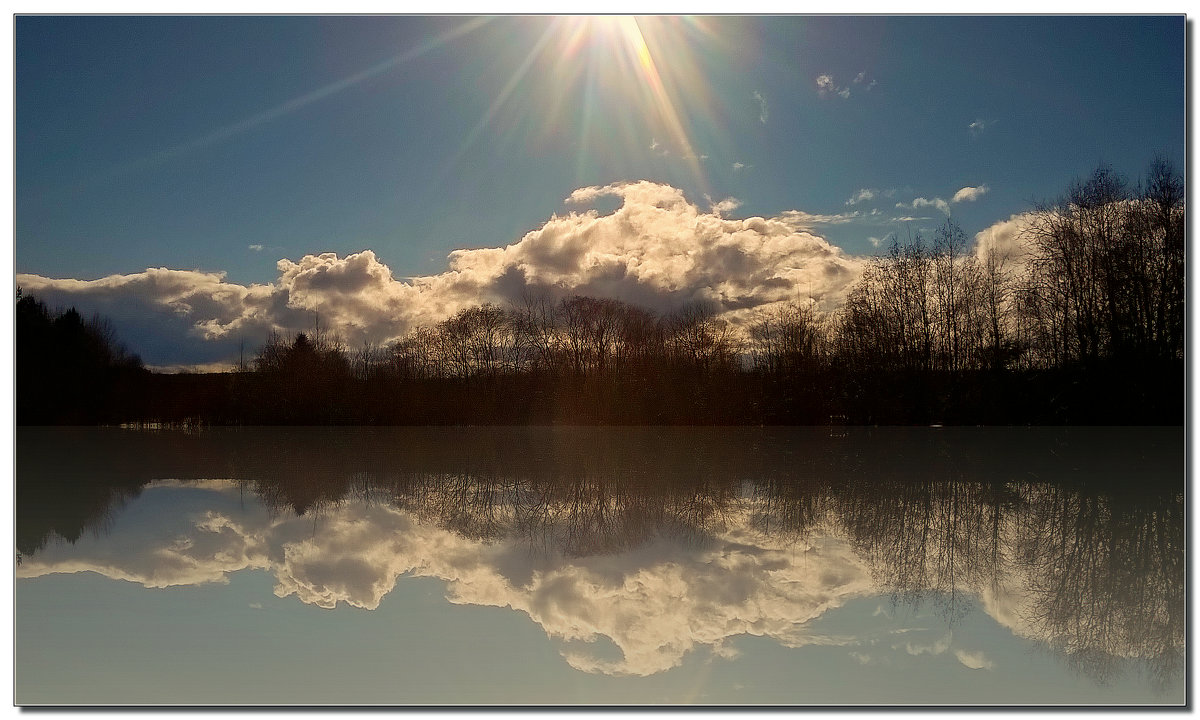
(762, 106)
(799, 218)
(862, 77)
(979, 126)
(1009, 239)
(724, 206)
(974, 660)
(920, 202)
(657, 250)
(877, 241)
(970, 194)
(826, 87)
(862, 195)
(937, 647)
(738, 166)
(657, 148)
(966, 194)
(255, 248)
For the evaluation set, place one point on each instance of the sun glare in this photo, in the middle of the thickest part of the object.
(654, 73)
(628, 85)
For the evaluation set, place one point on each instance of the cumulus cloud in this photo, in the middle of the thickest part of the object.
(762, 106)
(724, 206)
(970, 194)
(657, 250)
(1009, 239)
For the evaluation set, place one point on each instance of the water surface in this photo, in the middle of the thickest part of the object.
(600, 566)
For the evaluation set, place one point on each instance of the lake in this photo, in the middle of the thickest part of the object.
(626, 566)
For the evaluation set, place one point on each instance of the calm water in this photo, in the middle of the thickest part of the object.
(579, 565)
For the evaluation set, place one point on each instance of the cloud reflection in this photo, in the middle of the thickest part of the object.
(630, 576)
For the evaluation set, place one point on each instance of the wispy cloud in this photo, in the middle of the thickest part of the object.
(738, 166)
(861, 196)
(979, 126)
(762, 106)
(826, 87)
(970, 194)
(255, 248)
(877, 241)
(800, 218)
(921, 202)
(866, 80)
(657, 148)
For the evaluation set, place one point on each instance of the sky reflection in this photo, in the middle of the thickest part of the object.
(630, 574)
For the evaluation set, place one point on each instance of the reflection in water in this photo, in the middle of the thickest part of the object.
(658, 540)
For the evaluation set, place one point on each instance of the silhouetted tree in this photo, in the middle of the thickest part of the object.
(71, 371)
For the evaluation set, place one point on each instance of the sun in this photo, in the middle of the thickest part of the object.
(634, 81)
(653, 61)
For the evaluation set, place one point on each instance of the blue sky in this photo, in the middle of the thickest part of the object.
(225, 145)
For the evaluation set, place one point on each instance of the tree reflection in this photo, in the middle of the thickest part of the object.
(1045, 528)
(1106, 574)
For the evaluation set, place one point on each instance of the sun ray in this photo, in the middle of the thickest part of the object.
(661, 98)
(300, 101)
(497, 103)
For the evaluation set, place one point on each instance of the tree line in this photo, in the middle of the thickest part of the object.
(71, 370)
(1082, 321)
